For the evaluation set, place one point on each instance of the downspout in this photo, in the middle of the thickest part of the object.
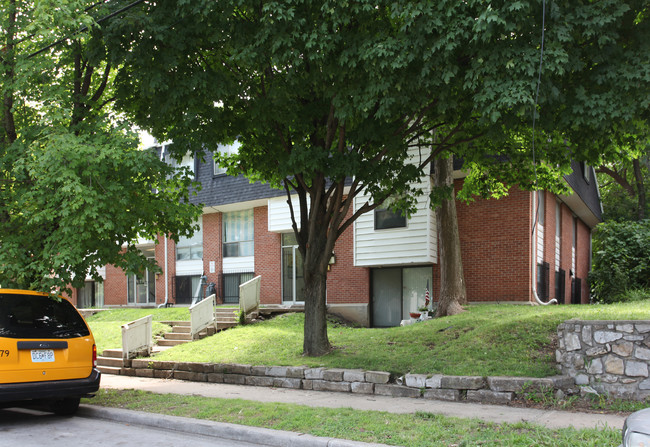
(162, 158)
(534, 256)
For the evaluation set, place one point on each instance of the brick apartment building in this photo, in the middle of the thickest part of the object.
(382, 266)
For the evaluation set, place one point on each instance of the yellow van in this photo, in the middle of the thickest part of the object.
(47, 352)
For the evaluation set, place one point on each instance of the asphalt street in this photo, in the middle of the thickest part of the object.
(30, 428)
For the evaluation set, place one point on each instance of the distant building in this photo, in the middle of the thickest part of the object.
(382, 265)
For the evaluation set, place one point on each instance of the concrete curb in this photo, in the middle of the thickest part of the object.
(243, 433)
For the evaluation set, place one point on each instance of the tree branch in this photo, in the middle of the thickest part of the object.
(102, 86)
(618, 178)
(88, 70)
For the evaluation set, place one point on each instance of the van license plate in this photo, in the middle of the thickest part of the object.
(42, 355)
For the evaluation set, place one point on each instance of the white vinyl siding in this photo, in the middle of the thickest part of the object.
(101, 271)
(280, 214)
(238, 264)
(414, 244)
(188, 268)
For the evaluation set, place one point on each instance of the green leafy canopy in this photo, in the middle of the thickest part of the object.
(343, 88)
(76, 192)
(330, 98)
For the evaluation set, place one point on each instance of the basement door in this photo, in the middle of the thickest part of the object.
(397, 291)
(293, 280)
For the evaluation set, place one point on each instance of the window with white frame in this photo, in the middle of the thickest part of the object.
(190, 248)
(229, 149)
(186, 162)
(238, 233)
(386, 218)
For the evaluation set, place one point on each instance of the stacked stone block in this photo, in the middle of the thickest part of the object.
(609, 356)
(439, 387)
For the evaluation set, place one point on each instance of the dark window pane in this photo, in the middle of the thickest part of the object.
(230, 249)
(231, 283)
(385, 218)
(35, 316)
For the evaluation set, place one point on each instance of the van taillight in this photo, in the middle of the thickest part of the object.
(94, 356)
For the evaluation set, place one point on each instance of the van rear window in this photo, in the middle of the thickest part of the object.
(36, 316)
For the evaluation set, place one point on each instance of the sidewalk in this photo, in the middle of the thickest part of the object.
(488, 413)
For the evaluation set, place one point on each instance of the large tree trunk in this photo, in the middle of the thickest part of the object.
(316, 342)
(316, 249)
(452, 280)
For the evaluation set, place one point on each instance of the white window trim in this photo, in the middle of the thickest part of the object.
(229, 149)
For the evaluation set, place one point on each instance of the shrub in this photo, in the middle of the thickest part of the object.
(621, 263)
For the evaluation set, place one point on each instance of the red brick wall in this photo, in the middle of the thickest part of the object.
(495, 244)
(268, 258)
(345, 282)
(495, 247)
(72, 297)
(212, 247)
(115, 292)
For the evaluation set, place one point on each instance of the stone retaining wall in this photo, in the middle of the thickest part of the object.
(439, 387)
(609, 356)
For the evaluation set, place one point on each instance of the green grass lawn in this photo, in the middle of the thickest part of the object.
(488, 340)
(491, 339)
(413, 430)
(128, 314)
(106, 325)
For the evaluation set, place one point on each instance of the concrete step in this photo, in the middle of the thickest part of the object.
(115, 353)
(110, 370)
(171, 342)
(225, 320)
(176, 336)
(181, 329)
(177, 323)
(110, 362)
